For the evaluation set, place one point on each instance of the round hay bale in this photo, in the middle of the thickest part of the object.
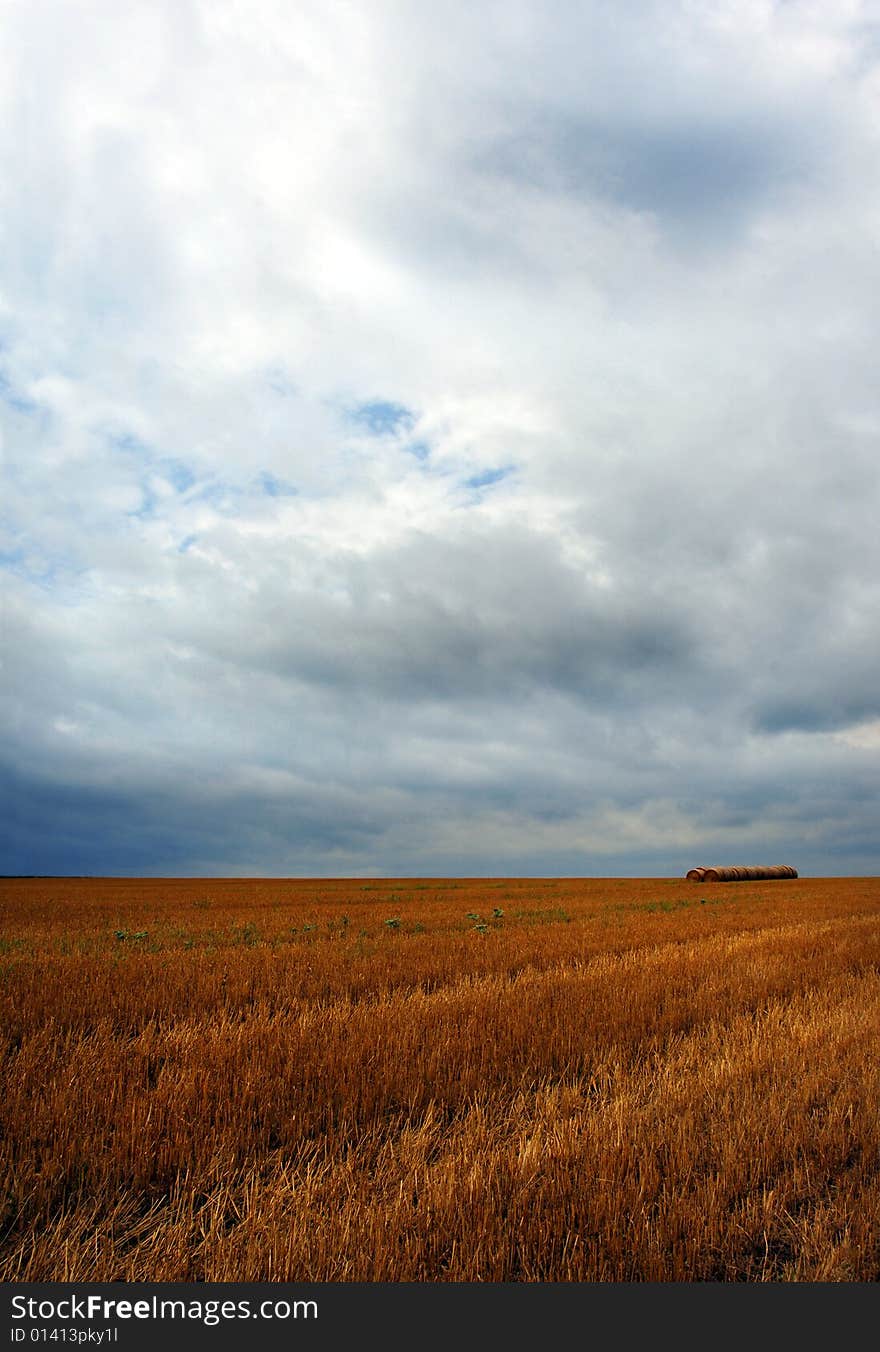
(736, 873)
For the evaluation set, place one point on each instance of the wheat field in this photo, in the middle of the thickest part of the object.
(435, 1080)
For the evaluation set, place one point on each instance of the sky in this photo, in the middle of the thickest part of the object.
(439, 440)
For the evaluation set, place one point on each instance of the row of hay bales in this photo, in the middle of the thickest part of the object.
(748, 873)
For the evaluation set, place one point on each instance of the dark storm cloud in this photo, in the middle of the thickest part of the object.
(701, 179)
(84, 828)
(474, 613)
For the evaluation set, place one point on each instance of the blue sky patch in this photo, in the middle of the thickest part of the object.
(276, 488)
(487, 477)
(12, 558)
(178, 474)
(382, 418)
(176, 471)
(129, 444)
(13, 400)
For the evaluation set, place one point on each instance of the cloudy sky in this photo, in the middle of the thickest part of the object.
(439, 439)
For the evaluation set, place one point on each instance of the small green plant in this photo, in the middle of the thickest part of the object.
(393, 923)
(481, 927)
(497, 913)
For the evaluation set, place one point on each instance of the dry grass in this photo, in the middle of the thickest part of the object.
(611, 1080)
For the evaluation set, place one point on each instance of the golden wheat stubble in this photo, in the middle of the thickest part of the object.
(439, 1079)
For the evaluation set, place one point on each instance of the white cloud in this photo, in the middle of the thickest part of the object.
(614, 269)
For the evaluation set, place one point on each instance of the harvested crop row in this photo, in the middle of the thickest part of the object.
(649, 1085)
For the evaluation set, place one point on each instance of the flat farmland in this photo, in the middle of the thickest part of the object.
(439, 1080)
